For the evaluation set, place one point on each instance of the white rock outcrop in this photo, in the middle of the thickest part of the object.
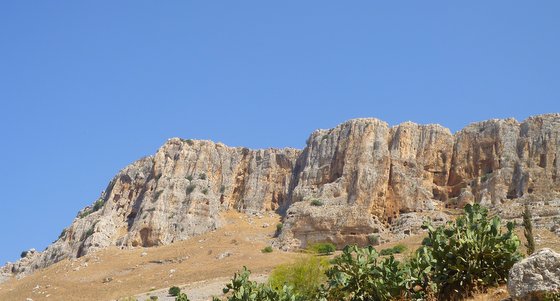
(535, 276)
(360, 181)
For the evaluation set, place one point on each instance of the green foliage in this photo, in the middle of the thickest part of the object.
(205, 190)
(373, 239)
(174, 291)
(242, 289)
(62, 234)
(189, 177)
(397, 249)
(472, 253)
(359, 274)
(182, 297)
(322, 248)
(279, 228)
(202, 176)
(222, 189)
(154, 298)
(418, 268)
(89, 232)
(267, 249)
(98, 205)
(85, 213)
(316, 202)
(190, 188)
(305, 276)
(528, 230)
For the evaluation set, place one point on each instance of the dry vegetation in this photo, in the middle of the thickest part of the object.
(193, 264)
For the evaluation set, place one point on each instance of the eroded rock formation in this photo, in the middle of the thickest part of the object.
(359, 181)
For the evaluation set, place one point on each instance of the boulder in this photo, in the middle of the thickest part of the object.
(535, 276)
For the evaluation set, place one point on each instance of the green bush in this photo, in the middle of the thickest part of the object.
(202, 176)
(373, 239)
(279, 227)
(242, 289)
(322, 248)
(189, 177)
(418, 268)
(174, 291)
(154, 298)
(471, 253)
(182, 297)
(85, 213)
(98, 205)
(267, 249)
(305, 276)
(89, 232)
(360, 274)
(397, 249)
(316, 203)
(190, 188)
(62, 234)
(205, 191)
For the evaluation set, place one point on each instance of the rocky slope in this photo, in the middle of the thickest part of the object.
(360, 181)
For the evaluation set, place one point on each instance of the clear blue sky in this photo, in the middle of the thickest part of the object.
(87, 87)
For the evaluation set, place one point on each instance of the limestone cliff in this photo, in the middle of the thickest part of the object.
(359, 181)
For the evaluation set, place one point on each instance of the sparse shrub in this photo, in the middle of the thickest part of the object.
(190, 142)
(174, 291)
(397, 249)
(154, 298)
(267, 249)
(222, 189)
(189, 177)
(316, 202)
(202, 176)
(471, 253)
(360, 274)
(23, 254)
(190, 188)
(305, 276)
(322, 248)
(182, 297)
(528, 230)
(373, 239)
(62, 234)
(85, 213)
(89, 232)
(205, 190)
(98, 205)
(279, 228)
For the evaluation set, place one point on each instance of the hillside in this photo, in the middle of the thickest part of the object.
(360, 180)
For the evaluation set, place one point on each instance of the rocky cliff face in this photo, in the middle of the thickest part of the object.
(358, 181)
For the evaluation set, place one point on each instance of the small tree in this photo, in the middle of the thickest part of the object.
(528, 230)
(174, 291)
